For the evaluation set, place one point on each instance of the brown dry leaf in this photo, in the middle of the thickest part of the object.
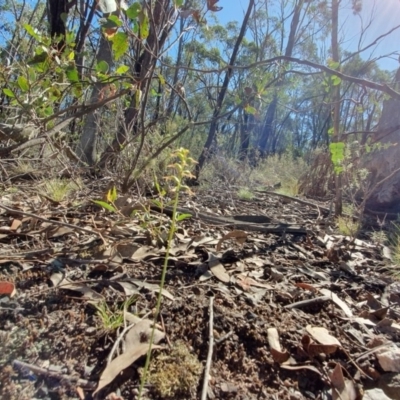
(217, 268)
(211, 5)
(342, 388)
(127, 250)
(322, 336)
(7, 289)
(186, 13)
(15, 224)
(240, 236)
(313, 349)
(306, 286)
(59, 231)
(136, 345)
(122, 362)
(300, 367)
(80, 393)
(86, 292)
(247, 282)
(152, 287)
(278, 355)
(337, 301)
(142, 253)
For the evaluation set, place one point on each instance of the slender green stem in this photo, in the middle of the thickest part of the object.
(159, 298)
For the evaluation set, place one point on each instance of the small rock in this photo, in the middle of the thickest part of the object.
(227, 387)
(390, 384)
(389, 358)
(375, 394)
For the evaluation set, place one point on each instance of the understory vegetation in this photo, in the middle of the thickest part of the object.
(118, 117)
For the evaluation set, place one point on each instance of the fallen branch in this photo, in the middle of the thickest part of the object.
(11, 210)
(21, 366)
(308, 302)
(210, 351)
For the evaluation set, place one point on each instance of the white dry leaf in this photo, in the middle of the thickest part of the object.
(217, 268)
(135, 347)
(322, 336)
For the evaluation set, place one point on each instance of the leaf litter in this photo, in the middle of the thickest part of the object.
(295, 316)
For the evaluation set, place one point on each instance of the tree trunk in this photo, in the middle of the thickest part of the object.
(221, 95)
(384, 164)
(86, 149)
(336, 102)
(269, 125)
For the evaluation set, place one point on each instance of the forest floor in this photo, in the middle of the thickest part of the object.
(296, 310)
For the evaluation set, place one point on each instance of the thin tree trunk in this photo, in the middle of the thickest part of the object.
(86, 149)
(269, 130)
(222, 93)
(336, 102)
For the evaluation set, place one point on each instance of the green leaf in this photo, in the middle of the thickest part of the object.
(120, 44)
(38, 58)
(23, 83)
(112, 194)
(144, 27)
(72, 74)
(8, 92)
(117, 22)
(337, 155)
(122, 69)
(178, 3)
(133, 11)
(162, 79)
(250, 110)
(105, 205)
(77, 91)
(102, 66)
(32, 32)
(48, 111)
(333, 64)
(181, 217)
(335, 80)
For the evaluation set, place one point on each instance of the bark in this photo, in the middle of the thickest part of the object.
(382, 164)
(269, 123)
(336, 102)
(221, 96)
(144, 68)
(55, 10)
(86, 149)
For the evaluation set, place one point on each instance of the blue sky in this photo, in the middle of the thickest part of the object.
(386, 15)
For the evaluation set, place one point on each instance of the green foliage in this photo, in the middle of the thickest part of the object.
(348, 226)
(58, 189)
(245, 194)
(337, 155)
(180, 170)
(112, 318)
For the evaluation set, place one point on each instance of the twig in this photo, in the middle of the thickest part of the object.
(222, 338)
(210, 351)
(20, 365)
(308, 302)
(11, 210)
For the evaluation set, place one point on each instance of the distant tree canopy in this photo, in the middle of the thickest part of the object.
(113, 76)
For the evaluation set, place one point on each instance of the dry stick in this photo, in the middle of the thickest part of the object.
(11, 210)
(20, 365)
(210, 351)
(308, 302)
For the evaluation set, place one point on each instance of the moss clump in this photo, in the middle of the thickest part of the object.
(175, 374)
